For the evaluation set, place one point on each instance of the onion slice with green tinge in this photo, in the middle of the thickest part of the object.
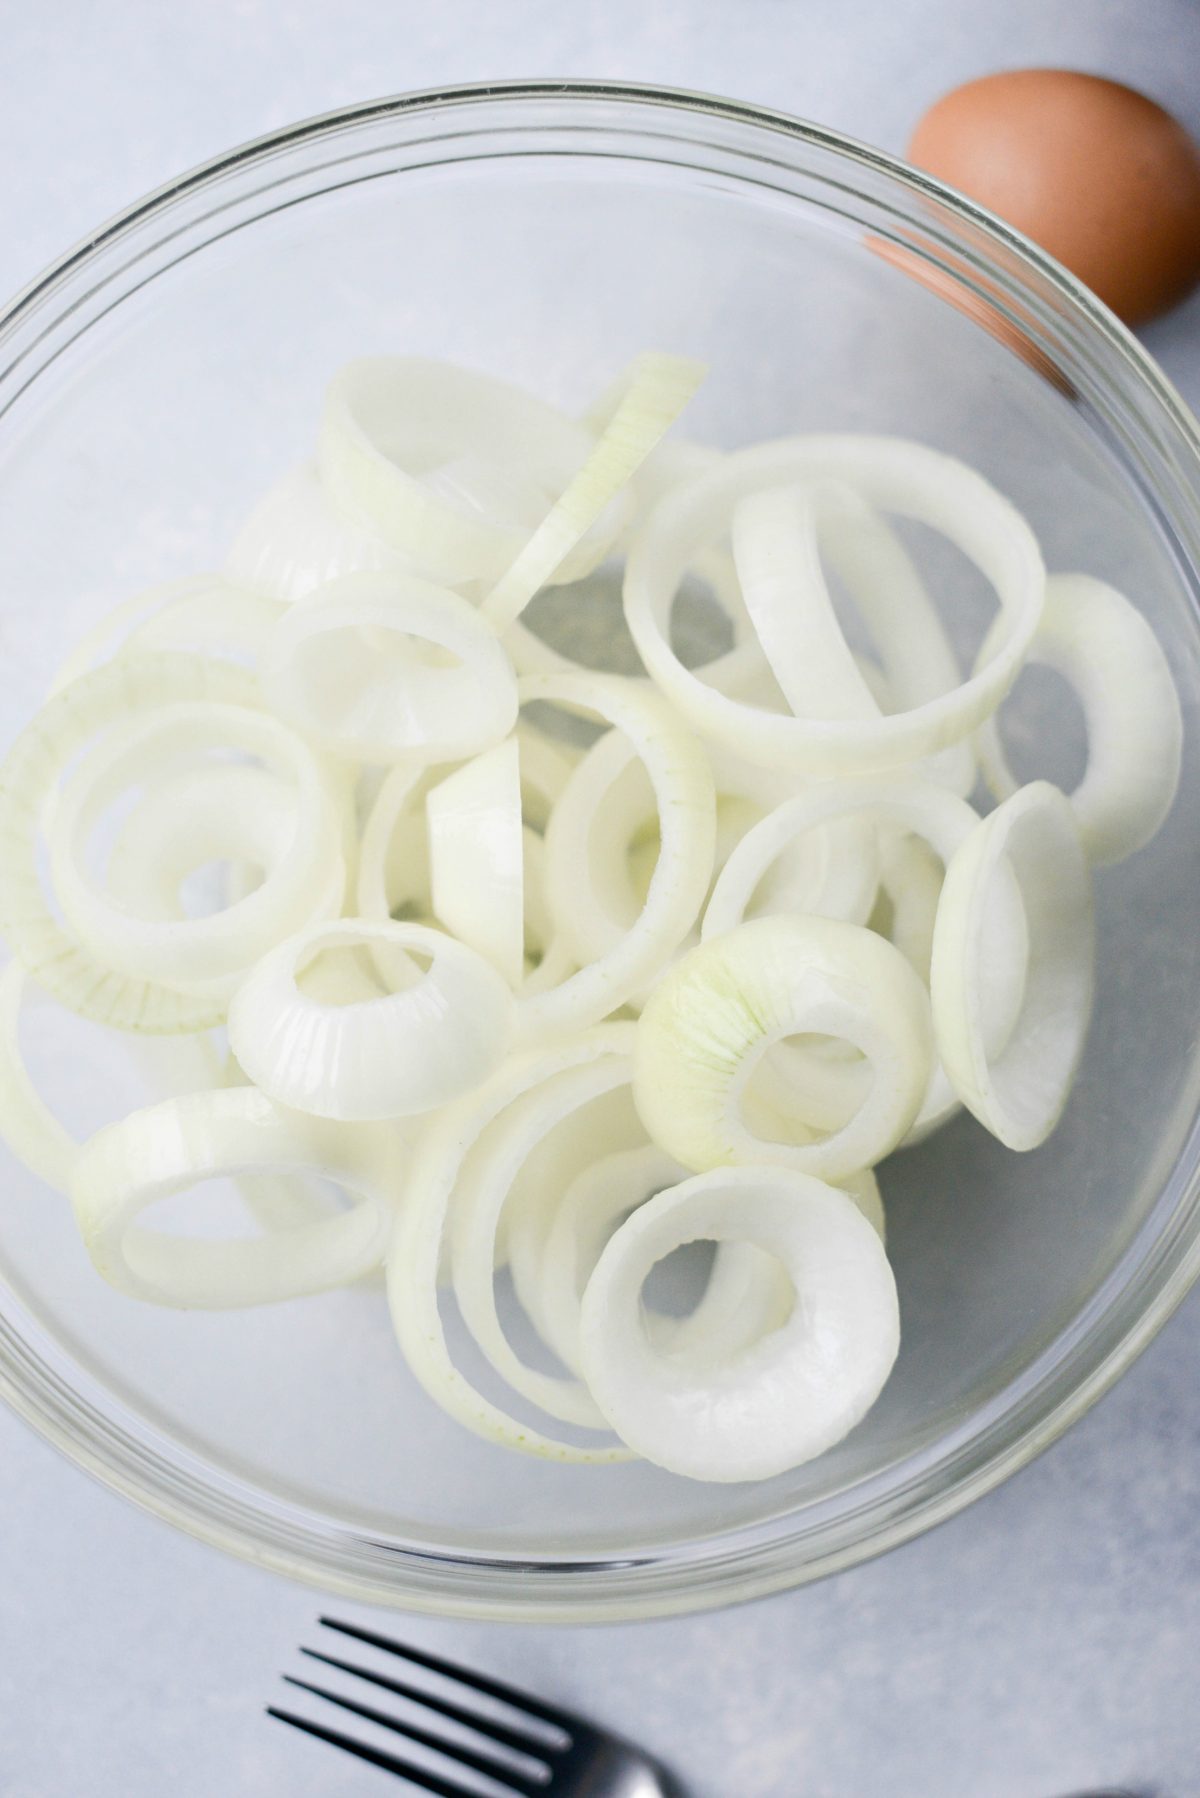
(712, 1018)
(784, 1399)
(649, 399)
(27, 1124)
(130, 1166)
(1018, 1093)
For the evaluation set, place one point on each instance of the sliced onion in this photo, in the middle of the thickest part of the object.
(1019, 1092)
(211, 813)
(295, 540)
(403, 1053)
(1101, 645)
(27, 1124)
(415, 1252)
(118, 691)
(710, 1021)
(782, 1401)
(895, 476)
(452, 468)
(476, 857)
(483, 1188)
(683, 789)
(653, 393)
(167, 1148)
(328, 674)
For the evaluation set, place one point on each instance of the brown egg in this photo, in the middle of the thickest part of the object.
(1097, 174)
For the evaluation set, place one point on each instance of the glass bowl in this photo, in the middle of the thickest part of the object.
(158, 377)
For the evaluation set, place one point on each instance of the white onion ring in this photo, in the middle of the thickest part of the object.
(477, 857)
(1018, 1092)
(119, 691)
(787, 1398)
(452, 468)
(295, 540)
(686, 803)
(27, 1124)
(713, 1017)
(327, 673)
(1100, 644)
(393, 1056)
(208, 955)
(131, 1165)
(415, 1253)
(649, 398)
(894, 476)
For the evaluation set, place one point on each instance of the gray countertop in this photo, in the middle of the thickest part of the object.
(1041, 1642)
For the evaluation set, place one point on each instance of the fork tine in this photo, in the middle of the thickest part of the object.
(391, 1763)
(428, 1738)
(519, 1740)
(479, 1682)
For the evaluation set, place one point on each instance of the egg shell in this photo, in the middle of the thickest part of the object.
(1099, 175)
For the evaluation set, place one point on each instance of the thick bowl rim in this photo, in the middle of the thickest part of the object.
(648, 1586)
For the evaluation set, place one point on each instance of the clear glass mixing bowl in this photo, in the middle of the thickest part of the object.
(163, 372)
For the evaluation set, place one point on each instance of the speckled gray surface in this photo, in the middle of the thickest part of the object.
(1045, 1640)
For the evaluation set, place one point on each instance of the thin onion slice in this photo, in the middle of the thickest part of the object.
(327, 673)
(894, 476)
(452, 468)
(27, 1124)
(416, 1249)
(1018, 1093)
(295, 540)
(712, 1019)
(653, 393)
(787, 1398)
(482, 1191)
(130, 686)
(167, 1148)
(476, 857)
(304, 874)
(1100, 644)
(686, 802)
(405, 1052)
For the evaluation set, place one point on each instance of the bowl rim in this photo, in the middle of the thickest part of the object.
(738, 1568)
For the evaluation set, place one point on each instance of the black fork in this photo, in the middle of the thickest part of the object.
(560, 1754)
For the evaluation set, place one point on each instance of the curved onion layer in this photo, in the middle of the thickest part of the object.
(210, 813)
(1099, 643)
(604, 846)
(119, 691)
(788, 1397)
(415, 1253)
(477, 857)
(1018, 1092)
(484, 1186)
(894, 476)
(650, 397)
(27, 1124)
(405, 1052)
(167, 1148)
(454, 469)
(686, 802)
(326, 671)
(295, 540)
(135, 621)
(747, 1294)
(826, 1095)
(714, 1016)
